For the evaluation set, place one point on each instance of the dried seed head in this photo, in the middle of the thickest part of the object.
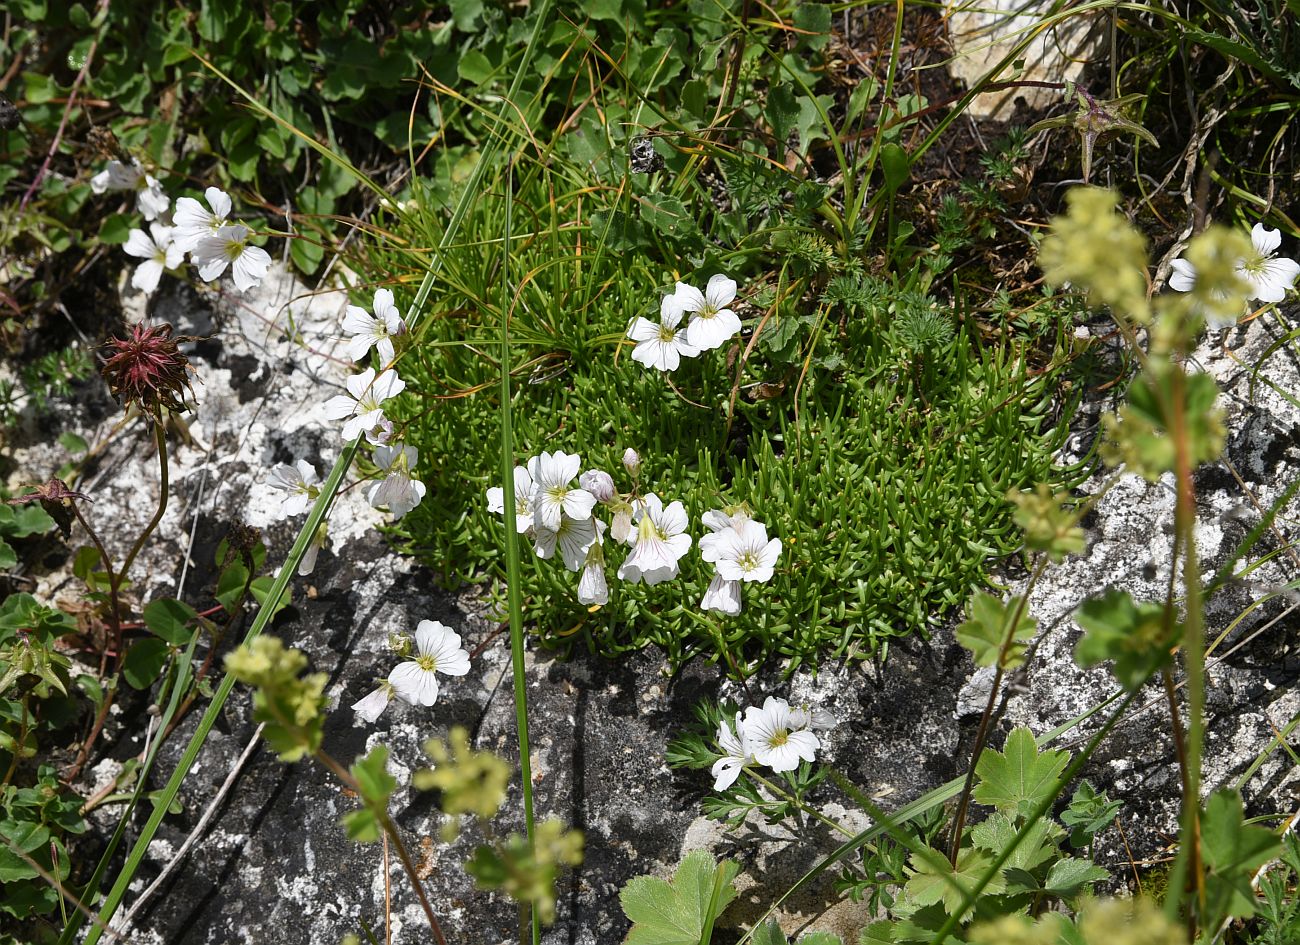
(56, 499)
(148, 369)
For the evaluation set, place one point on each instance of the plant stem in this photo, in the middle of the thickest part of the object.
(781, 792)
(981, 736)
(390, 830)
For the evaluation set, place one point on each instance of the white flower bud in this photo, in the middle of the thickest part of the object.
(631, 461)
(599, 483)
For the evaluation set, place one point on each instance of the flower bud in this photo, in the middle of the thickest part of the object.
(599, 483)
(631, 461)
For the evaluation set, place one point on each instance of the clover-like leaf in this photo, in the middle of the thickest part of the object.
(1138, 637)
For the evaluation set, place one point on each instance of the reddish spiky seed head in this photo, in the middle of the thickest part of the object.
(148, 369)
(56, 497)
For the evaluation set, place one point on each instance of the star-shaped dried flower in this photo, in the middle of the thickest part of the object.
(148, 369)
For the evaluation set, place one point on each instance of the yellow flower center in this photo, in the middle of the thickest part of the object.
(427, 663)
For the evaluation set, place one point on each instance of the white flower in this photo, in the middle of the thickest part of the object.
(574, 537)
(157, 250)
(378, 329)
(662, 346)
(397, 490)
(361, 403)
(372, 706)
(593, 588)
(599, 483)
(149, 197)
(229, 246)
(1270, 276)
(722, 595)
(804, 716)
(307, 563)
(552, 473)
(438, 650)
(658, 542)
(714, 324)
(735, 754)
(631, 462)
(523, 500)
(743, 553)
(299, 483)
(193, 222)
(770, 734)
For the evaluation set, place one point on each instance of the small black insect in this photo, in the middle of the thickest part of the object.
(10, 116)
(642, 156)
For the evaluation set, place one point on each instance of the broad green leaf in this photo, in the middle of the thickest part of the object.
(877, 933)
(934, 881)
(680, 912)
(1068, 877)
(1233, 850)
(1039, 845)
(1017, 779)
(170, 620)
(987, 628)
(1138, 637)
(144, 661)
(668, 215)
(8, 557)
(896, 165)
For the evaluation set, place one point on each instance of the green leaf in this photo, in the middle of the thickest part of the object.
(361, 826)
(934, 881)
(1089, 813)
(680, 912)
(115, 229)
(668, 215)
(813, 18)
(73, 443)
(769, 933)
(988, 626)
(1018, 779)
(877, 933)
(474, 67)
(1068, 877)
(1138, 637)
(896, 165)
(8, 557)
(306, 255)
(820, 938)
(144, 661)
(170, 620)
(1232, 850)
(373, 779)
(1039, 845)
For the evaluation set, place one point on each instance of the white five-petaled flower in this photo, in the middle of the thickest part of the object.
(773, 738)
(574, 538)
(523, 500)
(1270, 276)
(370, 707)
(593, 588)
(658, 541)
(437, 650)
(377, 329)
(397, 490)
(713, 324)
(664, 345)
(362, 403)
(722, 595)
(229, 246)
(552, 474)
(299, 483)
(735, 756)
(150, 199)
(194, 222)
(742, 552)
(158, 251)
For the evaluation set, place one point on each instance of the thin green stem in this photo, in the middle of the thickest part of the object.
(160, 442)
(786, 795)
(514, 579)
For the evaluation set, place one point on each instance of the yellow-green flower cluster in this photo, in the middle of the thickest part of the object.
(1095, 248)
(1048, 526)
(293, 708)
(471, 781)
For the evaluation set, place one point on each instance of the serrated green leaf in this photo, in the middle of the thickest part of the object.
(1068, 877)
(679, 912)
(1137, 637)
(987, 627)
(933, 880)
(668, 215)
(1233, 850)
(1039, 845)
(769, 933)
(1017, 779)
(1089, 813)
